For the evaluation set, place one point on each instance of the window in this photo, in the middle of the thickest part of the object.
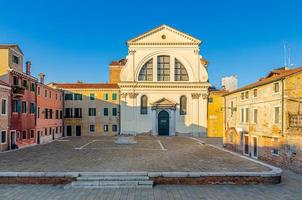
(68, 97)
(32, 133)
(25, 84)
(46, 131)
(50, 94)
(24, 107)
(68, 112)
(276, 87)
(114, 112)
(242, 115)
(50, 113)
(33, 87)
(232, 108)
(277, 114)
(255, 92)
(4, 106)
(39, 91)
(91, 111)
(183, 105)
(144, 105)
(78, 97)
(45, 93)
(78, 113)
(38, 112)
(114, 96)
(92, 128)
(210, 99)
(255, 116)
(16, 80)
(114, 128)
(246, 94)
(105, 97)
(46, 113)
(15, 59)
(23, 135)
(246, 115)
(61, 114)
(57, 114)
(32, 108)
(163, 68)
(180, 72)
(3, 137)
(91, 96)
(105, 111)
(56, 96)
(146, 72)
(275, 146)
(106, 128)
(242, 96)
(16, 106)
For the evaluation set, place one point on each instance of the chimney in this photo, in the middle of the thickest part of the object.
(42, 77)
(28, 65)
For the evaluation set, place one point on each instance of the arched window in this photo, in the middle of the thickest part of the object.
(180, 72)
(163, 68)
(146, 73)
(144, 105)
(183, 105)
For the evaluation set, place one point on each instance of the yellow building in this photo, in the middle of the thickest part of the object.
(90, 109)
(215, 113)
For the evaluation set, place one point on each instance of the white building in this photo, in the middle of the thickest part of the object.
(164, 85)
(229, 83)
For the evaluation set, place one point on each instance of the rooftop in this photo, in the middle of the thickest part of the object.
(86, 85)
(274, 75)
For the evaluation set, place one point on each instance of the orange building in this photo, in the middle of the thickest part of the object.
(49, 112)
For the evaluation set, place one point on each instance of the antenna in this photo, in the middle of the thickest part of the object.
(287, 55)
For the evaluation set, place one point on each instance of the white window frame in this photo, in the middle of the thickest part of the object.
(254, 116)
(6, 106)
(5, 136)
(252, 150)
(249, 149)
(274, 112)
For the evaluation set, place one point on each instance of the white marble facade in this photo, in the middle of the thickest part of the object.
(164, 66)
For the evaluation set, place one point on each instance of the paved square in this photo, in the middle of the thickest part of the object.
(102, 154)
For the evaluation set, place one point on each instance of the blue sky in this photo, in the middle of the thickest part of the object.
(72, 40)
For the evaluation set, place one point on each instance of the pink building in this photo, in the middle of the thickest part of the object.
(49, 112)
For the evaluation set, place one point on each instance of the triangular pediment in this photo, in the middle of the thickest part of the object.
(164, 35)
(164, 102)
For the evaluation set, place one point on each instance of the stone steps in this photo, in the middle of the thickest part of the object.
(112, 180)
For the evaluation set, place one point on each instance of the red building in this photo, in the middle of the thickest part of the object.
(49, 112)
(23, 117)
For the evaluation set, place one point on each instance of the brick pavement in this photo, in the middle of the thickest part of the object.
(101, 154)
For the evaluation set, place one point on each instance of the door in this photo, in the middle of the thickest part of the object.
(69, 130)
(163, 123)
(255, 147)
(13, 139)
(53, 134)
(38, 137)
(246, 145)
(78, 131)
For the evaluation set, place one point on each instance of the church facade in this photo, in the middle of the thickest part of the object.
(163, 84)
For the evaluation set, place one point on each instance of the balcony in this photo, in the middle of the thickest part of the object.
(18, 91)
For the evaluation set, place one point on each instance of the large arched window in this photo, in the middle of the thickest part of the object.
(146, 73)
(163, 68)
(183, 105)
(144, 105)
(180, 72)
